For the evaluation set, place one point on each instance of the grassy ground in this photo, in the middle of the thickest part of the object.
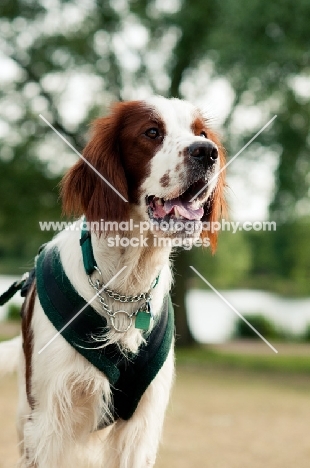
(229, 409)
(251, 356)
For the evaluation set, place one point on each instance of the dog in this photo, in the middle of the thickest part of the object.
(143, 166)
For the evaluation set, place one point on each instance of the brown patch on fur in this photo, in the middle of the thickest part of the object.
(198, 126)
(165, 179)
(178, 167)
(216, 206)
(27, 333)
(121, 152)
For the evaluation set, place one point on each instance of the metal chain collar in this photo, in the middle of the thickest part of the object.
(99, 288)
(120, 297)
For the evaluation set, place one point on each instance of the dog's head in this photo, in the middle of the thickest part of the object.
(157, 154)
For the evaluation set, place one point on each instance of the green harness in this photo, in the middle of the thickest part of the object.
(129, 376)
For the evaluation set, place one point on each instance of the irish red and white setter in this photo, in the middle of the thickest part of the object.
(157, 154)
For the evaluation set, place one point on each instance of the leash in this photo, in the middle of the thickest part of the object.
(13, 289)
(21, 285)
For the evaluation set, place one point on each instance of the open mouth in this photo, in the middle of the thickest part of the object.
(180, 208)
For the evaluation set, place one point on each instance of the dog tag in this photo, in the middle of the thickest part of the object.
(143, 320)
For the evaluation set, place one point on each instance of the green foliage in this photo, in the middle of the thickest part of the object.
(27, 197)
(277, 261)
(203, 357)
(222, 269)
(306, 334)
(14, 312)
(263, 325)
(281, 259)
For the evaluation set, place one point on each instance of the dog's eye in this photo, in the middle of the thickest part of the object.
(203, 134)
(152, 133)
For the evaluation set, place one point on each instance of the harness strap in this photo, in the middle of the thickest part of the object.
(89, 261)
(61, 304)
(136, 377)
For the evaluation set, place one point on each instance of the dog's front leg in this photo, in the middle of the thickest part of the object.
(134, 443)
(45, 447)
(66, 398)
(56, 431)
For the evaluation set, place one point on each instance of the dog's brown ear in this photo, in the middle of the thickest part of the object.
(216, 206)
(85, 188)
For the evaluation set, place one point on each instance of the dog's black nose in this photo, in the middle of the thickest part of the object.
(204, 152)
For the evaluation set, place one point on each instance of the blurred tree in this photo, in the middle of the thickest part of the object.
(28, 195)
(262, 324)
(44, 49)
(222, 268)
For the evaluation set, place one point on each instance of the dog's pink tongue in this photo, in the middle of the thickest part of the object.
(185, 209)
(159, 211)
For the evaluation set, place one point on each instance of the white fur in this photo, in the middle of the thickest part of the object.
(71, 396)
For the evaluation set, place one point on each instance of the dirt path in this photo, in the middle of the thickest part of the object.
(236, 421)
(215, 420)
(8, 439)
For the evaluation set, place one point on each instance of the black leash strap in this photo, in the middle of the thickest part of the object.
(19, 285)
(22, 285)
